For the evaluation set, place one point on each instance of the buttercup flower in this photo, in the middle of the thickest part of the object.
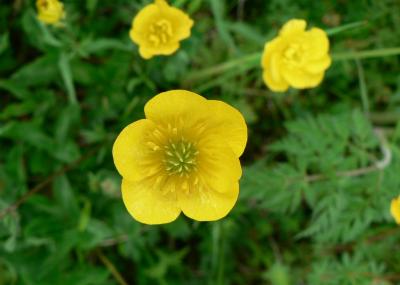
(296, 57)
(395, 209)
(50, 11)
(158, 28)
(183, 157)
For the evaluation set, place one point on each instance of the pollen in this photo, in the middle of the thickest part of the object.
(180, 157)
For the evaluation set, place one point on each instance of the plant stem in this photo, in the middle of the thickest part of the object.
(218, 254)
(221, 257)
(251, 59)
(385, 117)
(345, 27)
(363, 88)
(366, 54)
(111, 267)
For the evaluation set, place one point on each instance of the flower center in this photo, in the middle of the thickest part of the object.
(160, 32)
(294, 54)
(180, 157)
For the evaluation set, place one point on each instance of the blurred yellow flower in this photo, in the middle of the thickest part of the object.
(50, 11)
(296, 57)
(183, 157)
(395, 209)
(158, 28)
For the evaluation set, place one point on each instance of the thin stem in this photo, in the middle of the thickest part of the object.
(363, 87)
(345, 27)
(216, 231)
(221, 259)
(218, 254)
(111, 267)
(251, 59)
(385, 118)
(114, 241)
(366, 54)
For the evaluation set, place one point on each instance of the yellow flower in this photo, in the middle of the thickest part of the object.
(395, 209)
(296, 57)
(183, 157)
(158, 28)
(50, 11)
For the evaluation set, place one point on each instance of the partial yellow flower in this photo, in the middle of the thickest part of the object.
(158, 29)
(395, 209)
(50, 11)
(296, 57)
(183, 157)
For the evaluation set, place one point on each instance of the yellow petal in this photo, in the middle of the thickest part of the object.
(206, 204)
(395, 209)
(300, 78)
(129, 150)
(317, 42)
(147, 51)
(275, 86)
(176, 103)
(142, 21)
(230, 124)
(149, 205)
(218, 166)
(293, 27)
(271, 65)
(181, 23)
(318, 66)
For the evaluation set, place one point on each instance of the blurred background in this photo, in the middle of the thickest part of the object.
(320, 168)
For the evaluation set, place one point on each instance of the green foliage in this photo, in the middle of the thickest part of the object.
(318, 174)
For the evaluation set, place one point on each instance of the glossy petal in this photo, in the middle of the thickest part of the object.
(229, 124)
(293, 27)
(395, 209)
(171, 104)
(318, 43)
(271, 65)
(206, 204)
(142, 21)
(276, 86)
(319, 65)
(129, 150)
(149, 205)
(181, 23)
(300, 79)
(148, 52)
(218, 165)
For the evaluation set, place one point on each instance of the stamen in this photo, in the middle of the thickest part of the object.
(180, 157)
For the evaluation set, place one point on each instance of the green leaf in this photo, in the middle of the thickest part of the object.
(40, 71)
